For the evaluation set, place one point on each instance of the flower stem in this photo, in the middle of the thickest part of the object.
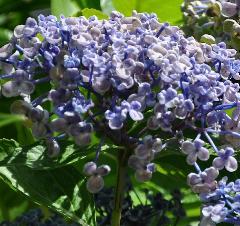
(120, 186)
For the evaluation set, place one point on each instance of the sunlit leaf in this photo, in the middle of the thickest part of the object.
(12, 203)
(107, 6)
(93, 12)
(6, 119)
(35, 156)
(5, 35)
(65, 7)
(95, 4)
(62, 189)
(164, 9)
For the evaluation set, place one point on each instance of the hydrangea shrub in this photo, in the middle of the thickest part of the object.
(137, 85)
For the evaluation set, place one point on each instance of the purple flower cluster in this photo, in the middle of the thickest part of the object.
(109, 77)
(222, 204)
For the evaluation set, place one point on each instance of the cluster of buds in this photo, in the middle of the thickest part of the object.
(95, 182)
(111, 77)
(213, 20)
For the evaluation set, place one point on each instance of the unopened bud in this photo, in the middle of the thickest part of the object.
(143, 175)
(95, 184)
(103, 170)
(53, 148)
(89, 168)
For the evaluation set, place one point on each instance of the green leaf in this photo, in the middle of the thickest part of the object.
(126, 6)
(164, 9)
(65, 7)
(12, 204)
(93, 12)
(88, 4)
(24, 134)
(6, 119)
(5, 35)
(62, 189)
(35, 156)
(235, 42)
(107, 6)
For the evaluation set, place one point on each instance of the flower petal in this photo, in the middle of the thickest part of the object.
(218, 163)
(187, 147)
(115, 123)
(203, 154)
(231, 164)
(136, 115)
(192, 158)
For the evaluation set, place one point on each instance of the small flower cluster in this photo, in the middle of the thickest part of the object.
(143, 155)
(222, 203)
(95, 182)
(111, 77)
(213, 19)
(217, 199)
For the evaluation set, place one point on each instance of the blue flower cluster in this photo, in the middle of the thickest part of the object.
(223, 204)
(107, 76)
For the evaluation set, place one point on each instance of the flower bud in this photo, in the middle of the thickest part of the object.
(36, 114)
(208, 39)
(39, 130)
(26, 87)
(143, 175)
(187, 147)
(229, 9)
(95, 184)
(89, 168)
(18, 31)
(135, 162)
(228, 25)
(142, 152)
(20, 107)
(58, 125)
(83, 139)
(10, 89)
(53, 148)
(6, 50)
(103, 170)
(157, 145)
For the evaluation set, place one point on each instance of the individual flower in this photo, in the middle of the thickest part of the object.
(226, 160)
(215, 213)
(116, 117)
(144, 153)
(194, 150)
(95, 182)
(203, 182)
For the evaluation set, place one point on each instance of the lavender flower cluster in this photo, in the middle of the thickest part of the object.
(106, 77)
(213, 20)
(222, 203)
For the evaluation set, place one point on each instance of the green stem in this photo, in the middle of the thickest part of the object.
(120, 186)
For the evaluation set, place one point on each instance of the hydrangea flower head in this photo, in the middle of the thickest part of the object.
(108, 78)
